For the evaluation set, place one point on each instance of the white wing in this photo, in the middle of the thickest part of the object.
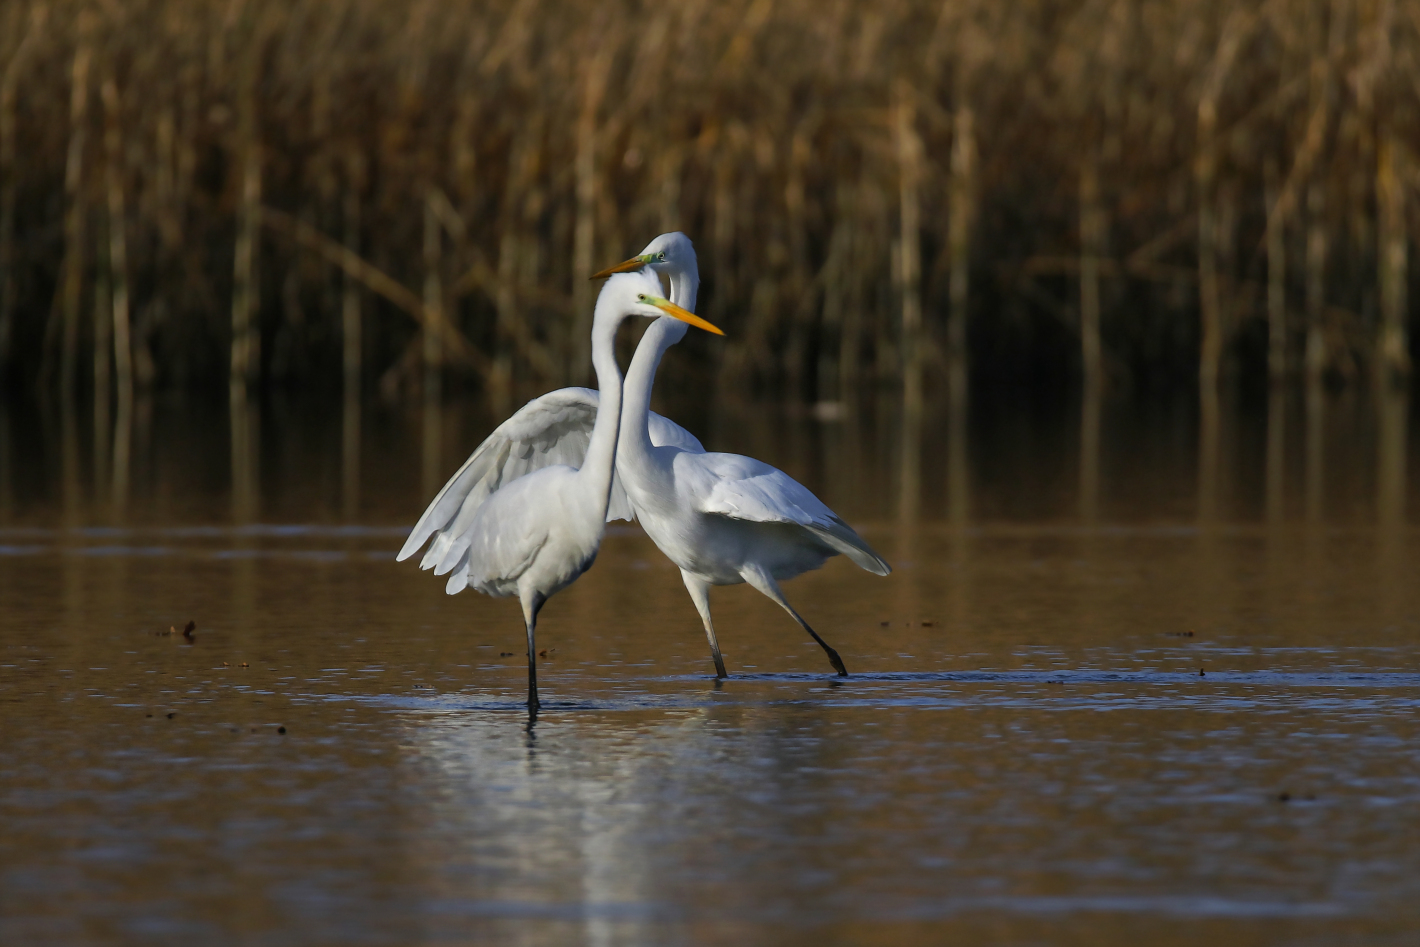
(667, 433)
(552, 429)
(743, 488)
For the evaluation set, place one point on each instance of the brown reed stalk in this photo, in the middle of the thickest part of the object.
(246, 331)
(594, 80)
(102, 355)
(9, 185)
(433, 348)
(1276, 278)
(1235, 31)
(117, 246)
(1392, 347)
(909, 256)
(959, 224)
(909, 162)
(759, 128)
(351, 327)
(1091, 250)
(1316, 356)
(72, 280)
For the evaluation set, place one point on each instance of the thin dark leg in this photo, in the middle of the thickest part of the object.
(534, 705)
(531, 606)
(765, 583)
(833, 657)
(700, 595)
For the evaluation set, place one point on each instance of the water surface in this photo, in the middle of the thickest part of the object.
(1170, 711)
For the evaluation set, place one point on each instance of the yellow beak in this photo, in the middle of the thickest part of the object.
(635, 263)
(684, 315)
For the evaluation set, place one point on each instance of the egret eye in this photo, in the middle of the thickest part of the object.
(661, 256)
(640, 297)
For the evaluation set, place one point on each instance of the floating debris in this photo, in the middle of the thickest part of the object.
(281, 730)
(546, 651)
(505, 654)
(1284, 797)
(189, 629)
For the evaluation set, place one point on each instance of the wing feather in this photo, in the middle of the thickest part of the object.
(743, 488)
(552, 429)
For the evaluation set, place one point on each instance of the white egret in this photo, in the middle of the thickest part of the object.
(722, 519)
(533, 536)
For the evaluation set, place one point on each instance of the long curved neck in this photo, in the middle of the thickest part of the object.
(641, 376)
(600, 461)
(685, 285)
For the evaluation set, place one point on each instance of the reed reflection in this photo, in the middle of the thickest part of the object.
(959, 492)
(352, 332)
(1276, 464)
(122, 455)
(1209, 448)
(7, 466)
(1314, 475)
(431, 442)
(909, 510)
(1090, 409)
(1392, 409)
(909, 487)
(245, 447)
(102, 430)
(350, 454)
(71, 483)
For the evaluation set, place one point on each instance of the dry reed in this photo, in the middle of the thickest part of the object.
(269, 190)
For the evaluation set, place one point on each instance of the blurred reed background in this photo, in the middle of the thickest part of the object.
(885, 196)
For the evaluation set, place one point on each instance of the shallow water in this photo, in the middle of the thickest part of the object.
(1179, 711)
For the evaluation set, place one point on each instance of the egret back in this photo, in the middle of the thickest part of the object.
(742, 488)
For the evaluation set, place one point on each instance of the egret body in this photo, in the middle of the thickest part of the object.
(721, 518)
(532, 535)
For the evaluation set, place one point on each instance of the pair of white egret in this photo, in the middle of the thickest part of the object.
(524, 515)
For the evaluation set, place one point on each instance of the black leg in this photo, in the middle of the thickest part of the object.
(833, 657)
(765, 583)
(531, 607)
(533, 704)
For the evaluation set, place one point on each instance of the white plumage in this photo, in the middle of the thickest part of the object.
(721, 518)
(549, 430)
(525, 514)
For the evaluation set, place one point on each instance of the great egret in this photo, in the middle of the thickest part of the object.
(722, 519)
(533, 536)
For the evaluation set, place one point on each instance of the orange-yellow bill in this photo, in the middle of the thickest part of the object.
(684, 315)
(635, 263)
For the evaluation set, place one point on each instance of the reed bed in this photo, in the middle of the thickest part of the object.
(882, 194)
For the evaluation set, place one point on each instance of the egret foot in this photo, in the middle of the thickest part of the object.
(833, 657)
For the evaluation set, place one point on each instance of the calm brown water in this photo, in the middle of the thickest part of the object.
(1026, 752)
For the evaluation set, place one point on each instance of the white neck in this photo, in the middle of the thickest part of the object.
(641, 376)
(600, 461)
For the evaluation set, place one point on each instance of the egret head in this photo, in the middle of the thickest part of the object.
(670, 253)
(638, 293)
